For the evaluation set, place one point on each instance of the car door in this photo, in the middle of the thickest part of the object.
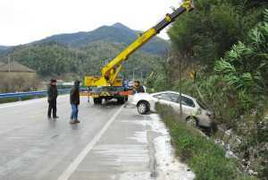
(188, 106)
(169, 98)
(162, 98)
(174, 99)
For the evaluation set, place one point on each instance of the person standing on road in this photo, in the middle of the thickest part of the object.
(75, 101)
(138, 88)
(52, 93)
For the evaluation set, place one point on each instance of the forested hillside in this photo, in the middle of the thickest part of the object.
(222, 49)
(54, 60)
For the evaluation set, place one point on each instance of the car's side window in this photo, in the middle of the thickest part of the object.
(158, 96)
(186, 101)
(174, 97)
(164, 96)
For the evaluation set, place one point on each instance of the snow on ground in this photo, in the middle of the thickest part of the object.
(168, 166)
(136, 176)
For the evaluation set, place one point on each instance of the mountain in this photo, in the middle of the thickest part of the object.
(117, 33)
(3, 49)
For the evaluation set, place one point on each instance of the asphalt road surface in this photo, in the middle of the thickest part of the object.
(111, 142)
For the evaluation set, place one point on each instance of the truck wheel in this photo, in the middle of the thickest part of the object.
(121, 100)
(143, 107)
(97, 100)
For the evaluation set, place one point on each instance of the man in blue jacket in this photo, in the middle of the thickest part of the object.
(75, 101)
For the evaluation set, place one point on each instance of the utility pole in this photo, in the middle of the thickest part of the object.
(180, 81)
(9, 66)
(133, 74)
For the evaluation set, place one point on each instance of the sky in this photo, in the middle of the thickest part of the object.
(24, 21)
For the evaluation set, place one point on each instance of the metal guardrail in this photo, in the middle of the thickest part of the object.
(20, 95)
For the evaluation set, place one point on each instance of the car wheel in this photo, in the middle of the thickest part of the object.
(143, 107)
(192, 121)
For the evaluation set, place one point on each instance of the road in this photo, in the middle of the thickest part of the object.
(111, 142)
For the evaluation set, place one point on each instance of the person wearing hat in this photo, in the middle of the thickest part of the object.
(52, 93)
(75, 101)
(138, 88)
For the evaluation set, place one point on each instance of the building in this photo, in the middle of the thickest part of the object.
(15, 68)
(16, 77)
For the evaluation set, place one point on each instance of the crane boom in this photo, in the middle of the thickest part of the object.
(110, 71)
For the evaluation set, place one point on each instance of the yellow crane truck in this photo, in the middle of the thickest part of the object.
(109, 85)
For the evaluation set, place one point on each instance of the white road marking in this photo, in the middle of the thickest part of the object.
(73, 166)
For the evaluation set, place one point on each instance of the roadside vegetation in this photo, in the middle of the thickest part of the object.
(206, 159)
(221, 48)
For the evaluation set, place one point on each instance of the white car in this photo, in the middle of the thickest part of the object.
(193, 112)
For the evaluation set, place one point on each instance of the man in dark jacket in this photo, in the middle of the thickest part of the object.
(75, 101)
(52, 93)
(138, 88)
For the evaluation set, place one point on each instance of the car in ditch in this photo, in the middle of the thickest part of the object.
(193, 112)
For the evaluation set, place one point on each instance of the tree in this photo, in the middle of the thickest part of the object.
(208, 32)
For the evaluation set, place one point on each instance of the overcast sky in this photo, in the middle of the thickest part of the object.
(24, 21)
